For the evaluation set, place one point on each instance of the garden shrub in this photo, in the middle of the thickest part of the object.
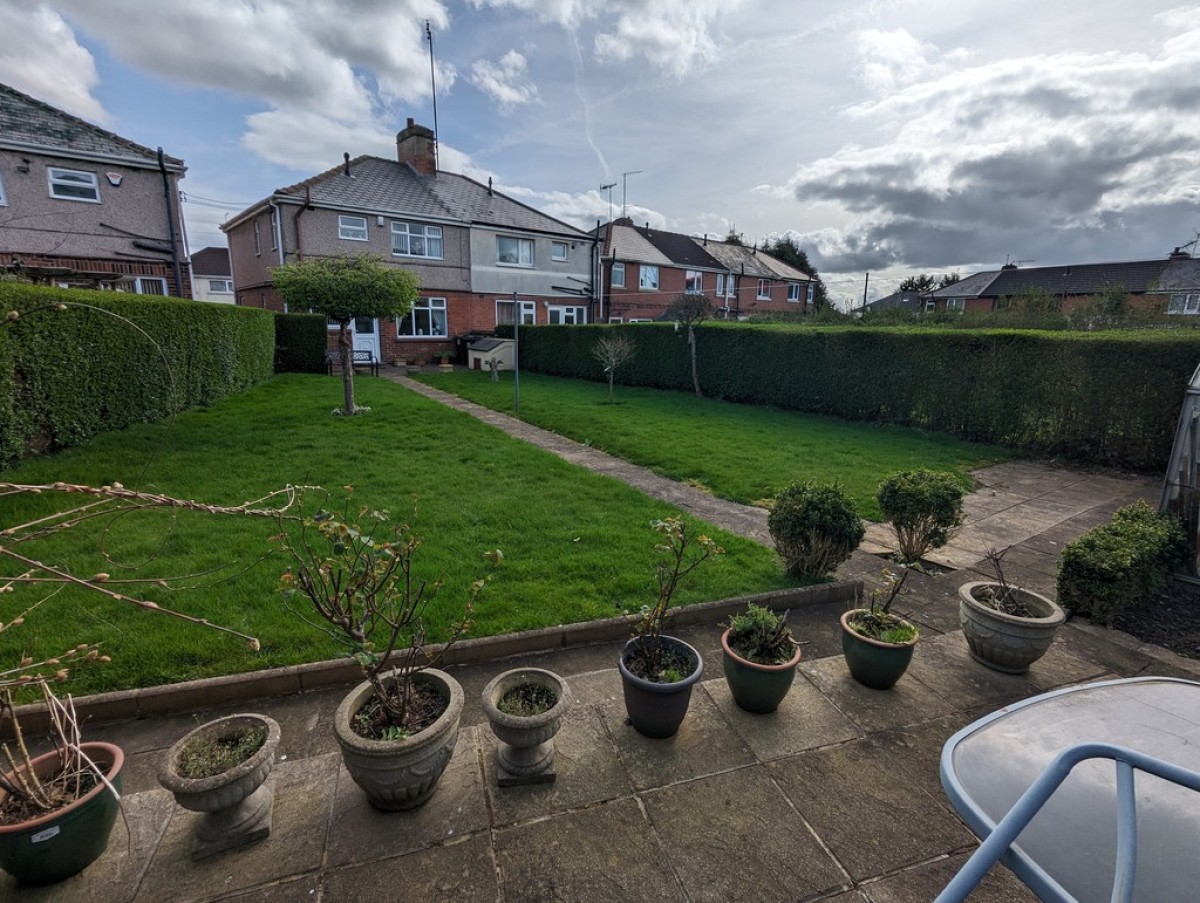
(923, 506)
(1121, 563)
(815, 528)
(300, 343)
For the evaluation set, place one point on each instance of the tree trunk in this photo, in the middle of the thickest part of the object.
(611, 373)
(695, 374)
(347, 350)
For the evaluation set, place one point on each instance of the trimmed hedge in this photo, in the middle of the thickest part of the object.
(107, 360)
(300, 343)
(1108, 398)
(815, 528)
(1120, 564)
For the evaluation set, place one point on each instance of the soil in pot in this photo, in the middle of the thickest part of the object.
(425, 706)
(62, 790)
(674, 664)
(1006, 602)
(204, 756)
(525, 700)
(879, 653)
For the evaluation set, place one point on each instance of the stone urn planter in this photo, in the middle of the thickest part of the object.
(873, 662)
(658, 709)
(64, 842)
(1003, 641)
(525, 754)
(237, 802)
(400, 774)
(756, 687)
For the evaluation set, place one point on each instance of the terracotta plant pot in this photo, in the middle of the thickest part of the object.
(658, 709)
(874, 663)
(64, 842)
(400, 774)
(237, 803)
(1004, 642)
(525, 754)
(756, 687)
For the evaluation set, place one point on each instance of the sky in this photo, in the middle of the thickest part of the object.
(889, 137)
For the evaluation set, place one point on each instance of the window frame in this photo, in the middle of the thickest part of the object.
(431, 306)
(522, 245)
(764, 290)
(53, 180)
(958, 304)
(579, 311)
(693, 282)
(3, 196)
(617, 267)
(1180, 302)
(566, 251)
(345, 227)
(274, 225)
(139, 282)
(793, 294)
(644, 270)
(426, 235)
(528, 312)
(257, 237)
(212, 283)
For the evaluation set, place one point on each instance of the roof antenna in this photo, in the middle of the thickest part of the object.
(489, 186)
(433, 91)
(346, 161)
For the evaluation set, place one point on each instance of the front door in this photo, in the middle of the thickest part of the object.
(365, 333)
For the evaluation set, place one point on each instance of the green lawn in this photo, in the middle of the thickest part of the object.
(577, 546)
(738, 452)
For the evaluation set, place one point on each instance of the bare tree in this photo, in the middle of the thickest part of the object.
(690, 310)
(613, 350)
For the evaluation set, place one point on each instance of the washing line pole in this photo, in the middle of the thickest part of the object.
(516, 356)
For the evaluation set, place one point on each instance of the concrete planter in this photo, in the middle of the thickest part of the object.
(756, 687)
(400, 774)
(658, 709)
(525, 754)
(1004, 642)
(237, 803)
(874, 663)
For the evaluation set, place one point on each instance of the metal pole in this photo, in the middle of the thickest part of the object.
(625, 184)
(433, 90)
(516, 356)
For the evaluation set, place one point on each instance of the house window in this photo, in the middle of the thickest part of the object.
(257, 240)
(504, 313)
(149, 285)
(566, 316)
(415, 240)
(693, 282)
(616, 319)
(274, 230)
(811, 294)
(352, 228)
(731, 286)
(930, 305)
(794, 292)
(958, 304)
(427, 318)
(1184, 303)
(514, 252)
(221, 286)
(74, 185)
(3, 196)
(558, 250)
(618, 275)
(764, 290)
(648, 278)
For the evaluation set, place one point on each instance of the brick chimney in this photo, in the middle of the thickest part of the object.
(414, 146)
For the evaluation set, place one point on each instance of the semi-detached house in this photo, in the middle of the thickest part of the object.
(481, 257)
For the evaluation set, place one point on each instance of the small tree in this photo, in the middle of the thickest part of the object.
(815, 528)
(343, 288)
(612, 350)
(690, 310)
(924, 506)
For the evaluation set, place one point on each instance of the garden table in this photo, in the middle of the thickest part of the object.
(1090, 793)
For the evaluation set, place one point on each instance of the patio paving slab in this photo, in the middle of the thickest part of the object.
(925, 882)
(463, 869)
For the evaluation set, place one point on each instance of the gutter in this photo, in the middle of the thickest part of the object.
(162, 167)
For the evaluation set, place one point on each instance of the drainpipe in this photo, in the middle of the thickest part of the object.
(162, 168)
(307, 205)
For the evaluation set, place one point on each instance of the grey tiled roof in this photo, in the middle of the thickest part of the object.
(26, 121)
(387, 186)
(211, 262)
(681, 250)
(1078, 279)
(748, 261)
(970, 287)
(626, 243)
(1180, 275)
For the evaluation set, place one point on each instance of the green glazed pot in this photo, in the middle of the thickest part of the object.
(873, 663)
(755, 687)
(65, 842)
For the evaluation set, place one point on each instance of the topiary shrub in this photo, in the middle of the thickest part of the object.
(923, 506)
(1118, 564)
(815, 528)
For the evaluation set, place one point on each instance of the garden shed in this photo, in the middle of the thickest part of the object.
(483, 350)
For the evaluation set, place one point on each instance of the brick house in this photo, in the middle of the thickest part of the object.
(212, 278)
(82, 206)
(470, 246)
(643, 270)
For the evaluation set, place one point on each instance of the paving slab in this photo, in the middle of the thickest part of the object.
(925, 882)
(910, 701)
(461, 869)
(944, 664)
(704, 826)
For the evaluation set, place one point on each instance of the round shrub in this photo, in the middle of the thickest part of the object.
(923, 506)
(815, 528)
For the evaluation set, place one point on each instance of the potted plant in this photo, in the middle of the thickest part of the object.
(398, 728)
(221, 769)
(924, 507)
(524, 707)
(659, 671)
(445, 361)
(877, 643)
(760, 657)
(1007, 628)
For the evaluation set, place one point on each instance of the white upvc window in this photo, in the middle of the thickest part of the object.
(352, 228)
(616, 319)
(930, 305)
(958, 304)
(274, 230)
(504, 313)
(73, 185)
(731, 286)
(149, 285)
(764, 290)
(257, 238)
(427, 318)
(618, 275)
(693, 282)
(558, 250)
(811, 294)
(648, 277)
(416, 240)
(3, 196)
(1184, 303)
(220, 286)
(794, 292)
(558, 315)
(514, 252)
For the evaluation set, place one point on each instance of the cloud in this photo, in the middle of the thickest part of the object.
(895, 59)
(1068, 151)
(47, 62)
(505, 81)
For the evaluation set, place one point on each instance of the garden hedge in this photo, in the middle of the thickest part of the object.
(106, 360)
(1109, 398)
(300, 343)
